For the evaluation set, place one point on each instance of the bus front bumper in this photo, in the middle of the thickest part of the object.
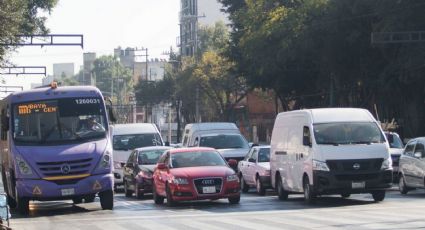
(64, 189)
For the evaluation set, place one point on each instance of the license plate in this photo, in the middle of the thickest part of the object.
(358, 184)
(68, 191)
(209, 189)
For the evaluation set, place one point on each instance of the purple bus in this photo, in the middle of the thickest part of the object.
(55, 146)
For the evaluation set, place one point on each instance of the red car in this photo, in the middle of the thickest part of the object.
(194, 174)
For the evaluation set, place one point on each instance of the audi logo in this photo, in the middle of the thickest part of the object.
(356, 166)
(208, 182)
(65, 168)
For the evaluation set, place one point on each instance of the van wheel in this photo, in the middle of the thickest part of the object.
(157, 198)
(244, 185)
(378, 195)
(107, 199)
(309, 196)
(260, 187)
(128, 192)
(402, 186)
(281, 193)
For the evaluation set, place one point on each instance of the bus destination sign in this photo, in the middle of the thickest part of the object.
(36, 108)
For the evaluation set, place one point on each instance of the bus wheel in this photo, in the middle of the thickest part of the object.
(107, 199)
(22, 204)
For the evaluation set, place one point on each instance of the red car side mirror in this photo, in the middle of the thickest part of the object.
(233, 163)
(161, 166)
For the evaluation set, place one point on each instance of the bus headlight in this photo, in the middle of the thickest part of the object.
(105, 161)
(23, 166)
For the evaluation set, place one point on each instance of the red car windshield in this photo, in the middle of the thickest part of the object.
(195, 159)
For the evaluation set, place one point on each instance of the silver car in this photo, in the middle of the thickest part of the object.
(412, 166)
(254, 169)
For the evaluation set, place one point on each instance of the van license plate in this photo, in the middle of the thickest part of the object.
(68, 191)
(209, 189)
(357, 185)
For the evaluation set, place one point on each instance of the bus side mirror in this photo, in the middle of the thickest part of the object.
(5, 123)
(111, 114)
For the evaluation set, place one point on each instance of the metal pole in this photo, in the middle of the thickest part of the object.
(197, 104)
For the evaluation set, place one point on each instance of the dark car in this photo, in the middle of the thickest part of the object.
(139, 168)
(396, 149)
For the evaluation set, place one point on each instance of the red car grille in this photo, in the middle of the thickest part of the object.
(208, 182)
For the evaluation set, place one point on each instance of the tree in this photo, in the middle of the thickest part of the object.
(21, 17)
(112, 78)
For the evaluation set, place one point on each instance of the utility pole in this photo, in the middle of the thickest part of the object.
(197, 104)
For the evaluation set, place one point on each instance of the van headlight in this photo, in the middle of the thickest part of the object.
(23, 166)
(320, 166)
(387, 164)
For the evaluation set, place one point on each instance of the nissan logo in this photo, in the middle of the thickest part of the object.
(356, 166)
(65, 168)
(208, 182)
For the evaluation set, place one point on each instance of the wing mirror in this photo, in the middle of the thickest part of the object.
(418, 155)
(252, 160)
(233, 163)
(161, 166)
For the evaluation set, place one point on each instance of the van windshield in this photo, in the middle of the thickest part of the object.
(132, 141)
(347, 133)
(59, 121)
(224, 141)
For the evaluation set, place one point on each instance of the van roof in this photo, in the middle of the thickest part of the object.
(340, 115)
(211, 126)
(134, 128)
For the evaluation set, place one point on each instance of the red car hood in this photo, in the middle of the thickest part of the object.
(203, 171)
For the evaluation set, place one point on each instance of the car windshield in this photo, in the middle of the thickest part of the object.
(58, 121)
(195, 159)
(149, 157)
(394, 141)
(229, 141)
(264, 155)
(347, 133)
(132, 141)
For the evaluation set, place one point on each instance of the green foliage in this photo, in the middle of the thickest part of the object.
(21, 17)
(112, 77)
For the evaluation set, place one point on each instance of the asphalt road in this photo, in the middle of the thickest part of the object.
(254, 212)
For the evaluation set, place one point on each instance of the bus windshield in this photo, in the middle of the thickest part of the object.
(347, 133)
(59, 121)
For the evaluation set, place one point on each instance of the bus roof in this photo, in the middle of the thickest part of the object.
(48, 93)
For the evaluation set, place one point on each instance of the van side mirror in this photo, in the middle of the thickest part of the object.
(251, 144)
(111, 114)
(307, 141)
(252, 160)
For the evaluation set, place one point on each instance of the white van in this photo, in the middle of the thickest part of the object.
(125, 138)
(329, 151)
(223, 136)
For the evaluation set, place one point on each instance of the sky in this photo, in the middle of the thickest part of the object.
(105, 25)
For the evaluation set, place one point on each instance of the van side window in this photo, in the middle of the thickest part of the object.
(130, 159)
(249, 154)
(254, 154)
(306, 136)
